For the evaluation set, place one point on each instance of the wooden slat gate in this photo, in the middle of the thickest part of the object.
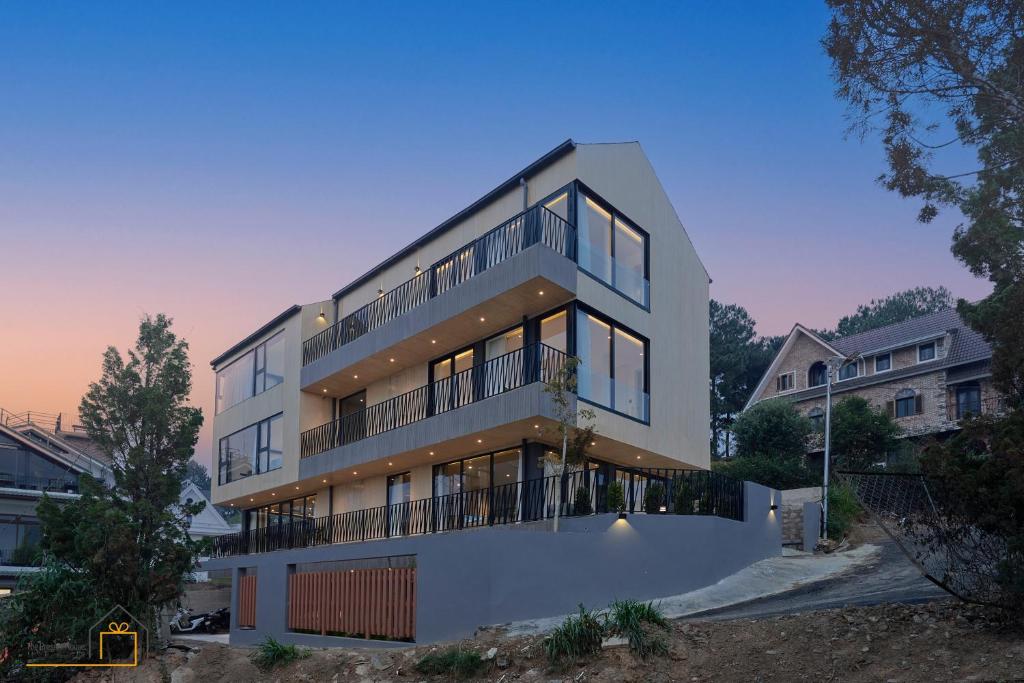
(247, 602)
(366, 603)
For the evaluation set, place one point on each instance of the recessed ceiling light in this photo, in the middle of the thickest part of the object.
(273, 494)
(593, 443)
(325, 481)
(433, 341)
(355, 376)
(251, 499)
(479, 440)
(296, 488)
(391, 359)
(325, 391)
(541, 292)
(431, 452)
(232, 505)
(354, 472)
(536, 426)
(390, 464)
(483, 319)
(638, 457)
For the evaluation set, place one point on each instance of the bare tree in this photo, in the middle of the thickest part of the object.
(576, 426)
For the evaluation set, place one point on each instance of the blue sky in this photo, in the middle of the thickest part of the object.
(173, 157)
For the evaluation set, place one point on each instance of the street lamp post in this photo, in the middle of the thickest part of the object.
(832, 365)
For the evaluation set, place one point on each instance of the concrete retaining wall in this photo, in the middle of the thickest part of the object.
(467, 579)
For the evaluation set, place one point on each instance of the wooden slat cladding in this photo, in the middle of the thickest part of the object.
(247, 602)
(363, 603)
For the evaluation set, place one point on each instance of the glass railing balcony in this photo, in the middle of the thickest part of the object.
(537, 225)
(533, 363)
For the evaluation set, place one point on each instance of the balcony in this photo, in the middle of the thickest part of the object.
(652, 491)
(536, 363)
(50, 484)
(524, 267)
(961, 409)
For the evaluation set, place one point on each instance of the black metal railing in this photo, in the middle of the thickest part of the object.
(689, 492)
(532, 363)
(537, 225)
(960, 409)
(59, 484)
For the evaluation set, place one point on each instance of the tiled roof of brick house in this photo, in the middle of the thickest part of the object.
(967, 345)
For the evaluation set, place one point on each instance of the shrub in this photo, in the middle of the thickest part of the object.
(271, 653)
(682, 502)
(453, 662)
(578, 636)
(861, 435)
(654, 498)
(787, 473)
(583, 506)
(637, 621)
(773, 430)
(843, 510)
(616, 497)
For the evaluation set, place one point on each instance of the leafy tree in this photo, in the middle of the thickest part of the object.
(132, 541)
(910, 303)
(940, 81)
(197, 473)
(576, 427)
(861, 435)
(738, 360)
(731, 339)
(771, 442)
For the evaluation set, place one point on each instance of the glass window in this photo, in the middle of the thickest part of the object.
(276, 443)
(611, 249)
(447, 479)
(926, 352)
(235, 382)
(253, 373)
(595, 239)
(593, 346)
(629, 262)
(848, 371)
(504, 343)
(553, 331)
(817, 375)
(399, 488)
(476, 473)
(559, 206)
(629, 375)
(883, 362)
(255, 449)
(968, 400)
(817, 418)
(506, 467)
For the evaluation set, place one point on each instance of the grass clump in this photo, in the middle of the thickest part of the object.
(270, 653)
(637, 621)
(454, 661)
(843, 510)
(578, 636)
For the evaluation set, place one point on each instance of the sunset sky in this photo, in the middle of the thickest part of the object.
(173, 157)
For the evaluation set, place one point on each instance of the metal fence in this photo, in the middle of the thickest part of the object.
(585, 492)
(533, 363)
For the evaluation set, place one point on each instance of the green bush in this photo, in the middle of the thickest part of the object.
(654, 498)
(843, 510)
(636, 621)
(616, 497)
(271, 653)
(772, 430)
(583, 506)
(789, 473)
(682, 499)
(578, 636)
(453, 662)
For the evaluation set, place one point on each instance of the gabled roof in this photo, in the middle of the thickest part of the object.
(209, 522)
(794, 334)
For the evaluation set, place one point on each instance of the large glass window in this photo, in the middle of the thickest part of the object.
(554, 331)
(613, 366)
(253, 373)
(611, 249)
(256, 449)
(399, 488)
(281, 514)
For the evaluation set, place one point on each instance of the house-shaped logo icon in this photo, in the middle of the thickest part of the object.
(113, 632)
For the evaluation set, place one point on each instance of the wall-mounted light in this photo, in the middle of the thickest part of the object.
(663, 508)
(773, 507)
(622, 515)
(322, 316)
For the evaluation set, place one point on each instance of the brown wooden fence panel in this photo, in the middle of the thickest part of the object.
(365, 603)
(247, 602)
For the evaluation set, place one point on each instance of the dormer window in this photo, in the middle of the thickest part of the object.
(883, 362)
(926, 352)
(848, 371)
(817, 375)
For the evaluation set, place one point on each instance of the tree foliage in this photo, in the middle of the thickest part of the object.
(938, 78)
(771, 441)
(738, 360)
(128, 544)
(197, 473)
(861, 435)
(896, 308)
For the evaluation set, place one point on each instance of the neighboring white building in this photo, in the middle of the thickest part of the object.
(208, 522)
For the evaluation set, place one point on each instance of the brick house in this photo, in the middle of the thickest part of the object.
(928, 373)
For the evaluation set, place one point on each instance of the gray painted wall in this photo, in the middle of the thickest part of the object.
(812, 525)
(467, 579)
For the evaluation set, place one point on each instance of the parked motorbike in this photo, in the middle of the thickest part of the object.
(187, 621)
